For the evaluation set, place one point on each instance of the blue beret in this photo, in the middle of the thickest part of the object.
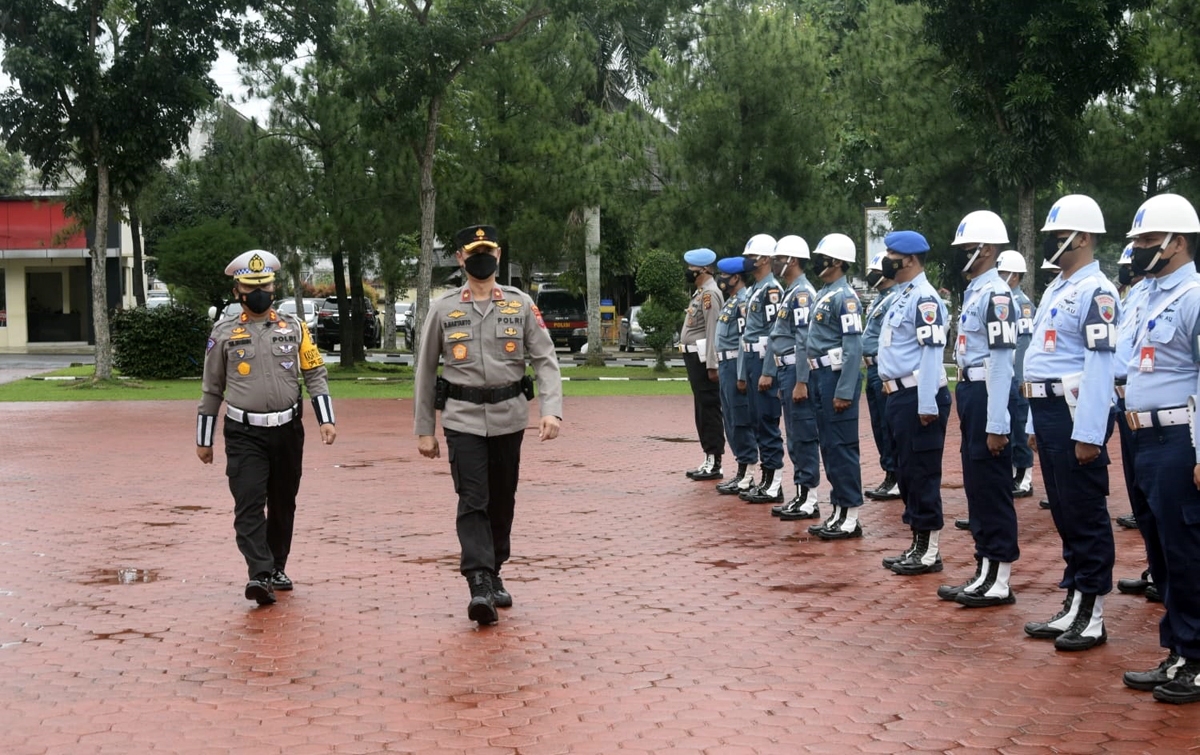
(906, 242)
(700, 257)
(734, 265)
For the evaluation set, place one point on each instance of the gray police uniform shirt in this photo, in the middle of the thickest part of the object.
(762, 307)
(837, 324)
(875, 313)
(1075, 334)
(485, 344)
(1163, 367)
(257, 366)
(789, 334)
(987, 338)
(1026, 311)
(730, 323)
(913, 338)
(700, 324)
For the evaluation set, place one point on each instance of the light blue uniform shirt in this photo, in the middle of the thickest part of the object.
(1083, 312)
(800, 305)
(1135, 297)
(875, 314)
(836, 323)
(987, 337)
(731, 320)
(1173, 333)
(762, 307)
(797, 301)
(1025, 314)
(912, 340)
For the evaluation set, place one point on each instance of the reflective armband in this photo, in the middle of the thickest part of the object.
(206, 426)
(323, 406)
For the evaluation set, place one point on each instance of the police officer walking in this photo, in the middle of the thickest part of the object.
(735, 409)
(917, 409)
(834, 349)
(1069, 384)
(255, 363)
(1011, 266)
(785, 367)
(762, 307)
(889, 489)
(698, 339)
(987, 338)
(484, 333)
(1160, 395)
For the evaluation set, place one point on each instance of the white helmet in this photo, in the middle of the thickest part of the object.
(792, 246)
(760, 245)
(1126, 255)
(980, 227)
(1075, 212)
(1165, 213)
(1010, 261)
(876, 262)
(839, 246)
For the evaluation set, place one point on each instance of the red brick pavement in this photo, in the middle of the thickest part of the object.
(651, 615)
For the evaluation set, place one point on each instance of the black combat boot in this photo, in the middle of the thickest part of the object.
(482, 607)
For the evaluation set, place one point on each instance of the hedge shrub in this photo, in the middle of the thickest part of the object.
(164, 343)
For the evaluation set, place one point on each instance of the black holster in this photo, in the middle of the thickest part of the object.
(527, 386)
(441, 392)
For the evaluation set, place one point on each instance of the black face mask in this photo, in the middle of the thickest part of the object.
(725, 282)
(824, 262)
(964, 257)
(481, 266)
(1050, 248)
(873, 278)
(691, 276)
(778, 267)
(1125, 274)
(257, 301)
(889, 268)
(1143, 262)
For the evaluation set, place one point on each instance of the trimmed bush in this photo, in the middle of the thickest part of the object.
(164, 343)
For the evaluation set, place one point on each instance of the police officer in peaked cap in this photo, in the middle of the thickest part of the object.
(255, 363)
(698, 339)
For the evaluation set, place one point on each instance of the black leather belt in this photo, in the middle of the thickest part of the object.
(484, 395)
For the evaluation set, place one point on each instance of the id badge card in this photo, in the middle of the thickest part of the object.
(1146, 360)
(1050, 345)
(962, 343)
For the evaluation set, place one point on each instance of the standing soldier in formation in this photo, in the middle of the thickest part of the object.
(698, 339)
(889, 489)
(761, 310)
(785, 365)
(735, 410)
(484, 332)
(834, 349)
(1163, 382)
(255, 362)
(987, 337)
(1069, 384)
(1012, 270)
(918, 403)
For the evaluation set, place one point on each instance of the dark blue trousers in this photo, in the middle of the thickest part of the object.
(764, 411)
(1077, 495)
(919, 457)
(883, 439)
(1018, 414)
(800, 422)
(987, 479)
(838, 437)
(1170, 504)
(735, 413)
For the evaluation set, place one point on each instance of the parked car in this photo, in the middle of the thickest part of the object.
(311, 307)
(629, 332)
(230, 310)
(329, 332)
(563, 313)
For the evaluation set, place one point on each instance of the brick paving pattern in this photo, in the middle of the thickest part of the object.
(651, 614)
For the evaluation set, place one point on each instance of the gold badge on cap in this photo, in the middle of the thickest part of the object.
(256, 264)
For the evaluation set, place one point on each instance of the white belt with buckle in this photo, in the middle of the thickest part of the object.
(1042, 389)
(264, 419)
(972, 374)
(723, 355)
(757, 348)
(691, 348)
(816, 363)
(788, 359)
(908, 381)
(1119, 388)
(1166, 418)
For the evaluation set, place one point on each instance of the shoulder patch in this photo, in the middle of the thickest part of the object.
(1106, 307)
(928, 311)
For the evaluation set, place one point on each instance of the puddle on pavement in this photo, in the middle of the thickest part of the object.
(665, 439)
(162, 524)
(723, 564)
(353, 465)
(190, 508)
(121, 576)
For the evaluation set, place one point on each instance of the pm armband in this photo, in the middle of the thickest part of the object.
(323, 406)
(206, 426)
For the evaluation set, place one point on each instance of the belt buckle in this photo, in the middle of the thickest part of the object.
(1131, 419)
(272, 419)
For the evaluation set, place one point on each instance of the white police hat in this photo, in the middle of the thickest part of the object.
(254, 267)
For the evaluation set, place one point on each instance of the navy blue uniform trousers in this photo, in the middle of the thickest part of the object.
(1077, 494)
(1167, 506)
(838, 437)
(919, 457)
(263, 465)
(883, 438)
(987, 479)
(800, 422)
(735, 414)
(764, 410)
(1018, 414)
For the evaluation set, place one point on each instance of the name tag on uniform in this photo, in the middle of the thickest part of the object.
(885, 337)
(1050, 345)
(1146, 362)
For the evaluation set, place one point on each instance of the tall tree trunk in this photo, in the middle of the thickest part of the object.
(428, 213)
(99, 253)
(135, 228)
(1027, 237)
(591, 247)
(343, 299)
(358, 315)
